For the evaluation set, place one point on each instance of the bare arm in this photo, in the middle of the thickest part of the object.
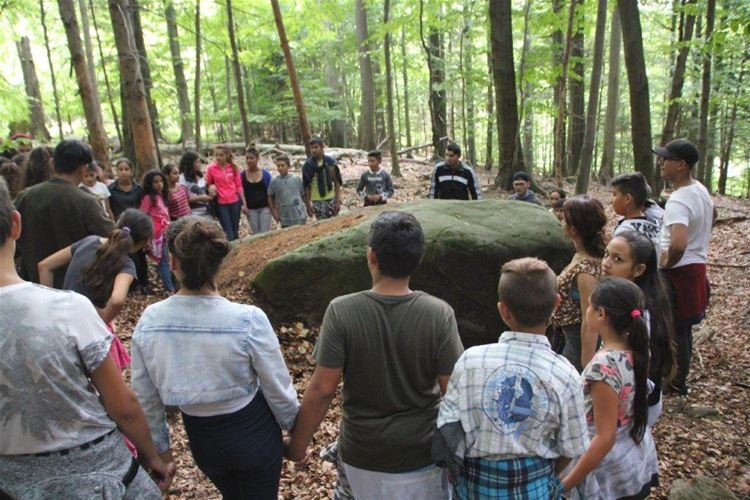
(308, 201)
(122, 406)
(586, 284)
(677, 245)
(605, 421)
(443, 383)
(272, 206)
(55, 261)
(117, 299)
(315, 403)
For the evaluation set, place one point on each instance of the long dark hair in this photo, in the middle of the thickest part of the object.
(187, 166)
(587, 217)
(658, 303)
(148, 186)
(623, 302)
(199, 245)
(38, 169)
(133, 227)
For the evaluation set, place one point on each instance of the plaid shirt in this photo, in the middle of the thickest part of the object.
(516, 398)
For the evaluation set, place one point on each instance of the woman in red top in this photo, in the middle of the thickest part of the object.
(230, 198)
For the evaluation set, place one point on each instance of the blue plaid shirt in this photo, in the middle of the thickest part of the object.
(516, 398)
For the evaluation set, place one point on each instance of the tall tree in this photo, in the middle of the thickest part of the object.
(436, 67)
(490, 100)
(587, 151)
(238, 74)
(640, 113)
(183, 100)
(706, 92)
(148, 83)
(34, 96)
(51, 69)
(728, 130)
(367, 82)
(197, 83)
(560, 152)
(97, 135)
(392, 136)
(405, 77)
(687, 22)
(107, 85)
(576, 91)
(89, 47)
(504, 75)
(559, 160)
(138, 121)
(304, 126)
(606, 170)
(467, 59)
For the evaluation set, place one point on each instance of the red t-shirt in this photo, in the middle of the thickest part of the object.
(227, 181)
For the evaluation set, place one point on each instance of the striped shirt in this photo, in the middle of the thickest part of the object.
(516, 398)
(179, 205)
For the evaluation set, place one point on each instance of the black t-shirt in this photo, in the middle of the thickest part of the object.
(256, 193)
(121, 200)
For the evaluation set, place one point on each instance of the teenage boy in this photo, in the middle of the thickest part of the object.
(286, 196)
(321, 178)
(521, 191)
(453, 179)
(56, 213)
(629, 196)
(685, 234)
(395, 348)
(513, 416)
(375, 186)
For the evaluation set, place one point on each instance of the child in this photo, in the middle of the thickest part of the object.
(621, 460)
(629, 195)
(632, 256)
(286, 196)
(255, 182)
(230, 198)
(521, 185)
(178, 205)
(375, 186)
(191, 176)
(92, 185)
(512, 416)
(154, 203)
(557, 209)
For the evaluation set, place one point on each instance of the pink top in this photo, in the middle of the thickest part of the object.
(158, 212)
(178, 202)
(227, 181)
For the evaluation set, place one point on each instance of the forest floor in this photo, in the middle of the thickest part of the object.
(706, 434)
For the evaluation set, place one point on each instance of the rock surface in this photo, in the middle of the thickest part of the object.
(700, 488)
(466, 245)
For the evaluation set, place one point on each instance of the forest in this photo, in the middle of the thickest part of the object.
(565, 89)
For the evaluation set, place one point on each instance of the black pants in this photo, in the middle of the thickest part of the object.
(241, 452)
(141, 267)
(683, 330)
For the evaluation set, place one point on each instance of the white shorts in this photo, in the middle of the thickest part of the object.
(428, 483)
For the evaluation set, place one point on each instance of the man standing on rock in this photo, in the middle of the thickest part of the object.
(684, 238)
(321, 178)
(396, 349)
(453, 179)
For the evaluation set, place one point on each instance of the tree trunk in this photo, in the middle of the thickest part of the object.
(145, 69)
(490, 113)
(51, 70)
(468, 60)
(230, 99)
(438, 102)
(525, 113)
(197, 83)
(560, 163)
(640, 113)
(706, 91)
(607, 170)
(407, 119)
(728, 136)
(393, 140)
(90, 62)
(303, 123)
(183, 101)
(238, 74)
(107, 85)
(138, 119)
(97, 135)
(338, 135)
(504, 75)
(367, 83)
(34, 96)
(218, 124)
(587, 151)
(576, 92)
(678, 78)
(561, 114)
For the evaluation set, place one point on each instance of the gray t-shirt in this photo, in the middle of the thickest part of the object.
(288, 198)
(50, 340)
(84, 253)
(391, 349)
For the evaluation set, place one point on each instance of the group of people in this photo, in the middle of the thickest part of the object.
(562, 404)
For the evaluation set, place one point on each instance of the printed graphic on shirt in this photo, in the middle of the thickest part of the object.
(511, 395)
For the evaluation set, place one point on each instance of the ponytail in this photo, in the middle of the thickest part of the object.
(623, 302)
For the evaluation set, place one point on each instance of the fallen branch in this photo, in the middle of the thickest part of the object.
(735, 266)
(727, 220)
(421, 146)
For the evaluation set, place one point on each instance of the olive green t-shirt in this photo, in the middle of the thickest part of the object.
(391, 350)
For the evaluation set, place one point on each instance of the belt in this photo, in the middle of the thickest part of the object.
(84, 446)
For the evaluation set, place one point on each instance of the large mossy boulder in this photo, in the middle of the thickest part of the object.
(466, 245)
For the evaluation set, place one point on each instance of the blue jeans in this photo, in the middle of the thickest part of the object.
(165, 273)
(229, 218)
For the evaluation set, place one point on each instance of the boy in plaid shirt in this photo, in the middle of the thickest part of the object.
(513, 415)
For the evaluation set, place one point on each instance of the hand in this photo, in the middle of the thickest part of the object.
(162, 472)
(301, 456)
(212, 191)
(337, 207)
(310, 211)
(245, 210)
(275, 216)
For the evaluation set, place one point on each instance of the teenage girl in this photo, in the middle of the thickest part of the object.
(255, 182)
(154, 203)
(230, 198)
(191, 176)
(101, 270)
(632, 256)
(621, 459)
(179, 205)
